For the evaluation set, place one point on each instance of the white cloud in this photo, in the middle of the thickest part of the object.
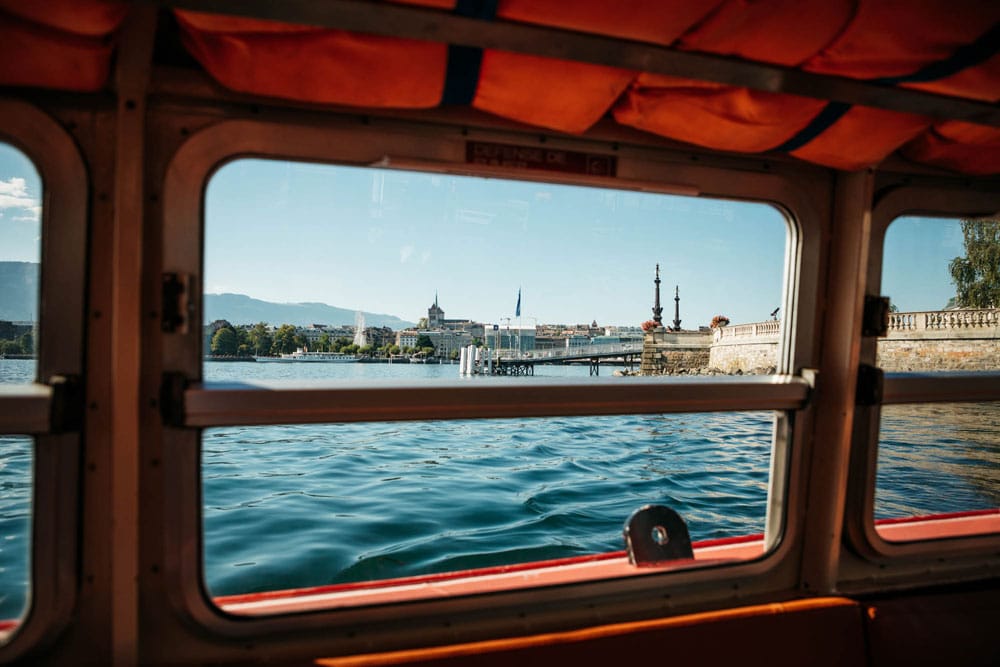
(405, 253)
(14, 195)
(15, 186)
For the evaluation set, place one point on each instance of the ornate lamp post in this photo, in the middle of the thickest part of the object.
(677, 308)
(657, 310)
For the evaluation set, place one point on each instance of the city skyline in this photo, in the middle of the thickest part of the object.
(385, 241)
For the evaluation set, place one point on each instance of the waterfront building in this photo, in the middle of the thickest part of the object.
(447, 342)
(407, 338)
(510, 337)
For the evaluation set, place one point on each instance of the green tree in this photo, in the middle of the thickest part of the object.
(225, 342)
(977, 275)
(10, 347)
(323, 344)
(27, 343)
(284, 340)
(260, 339)
(423, 340)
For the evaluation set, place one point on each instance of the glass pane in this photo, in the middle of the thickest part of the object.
(365, 266)
(20, 254)
(319, 271)
(943, 276)
(311, 505)
(939, 459)
(16, 454)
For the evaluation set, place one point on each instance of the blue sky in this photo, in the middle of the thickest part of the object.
(20, 207)
(386, 241)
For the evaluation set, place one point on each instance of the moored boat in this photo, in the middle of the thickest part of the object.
(301, 355)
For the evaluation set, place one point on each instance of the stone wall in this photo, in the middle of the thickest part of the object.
(967, 340)
(746, 348)
(671, 353)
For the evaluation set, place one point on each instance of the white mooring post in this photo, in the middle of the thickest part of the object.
(462, 360)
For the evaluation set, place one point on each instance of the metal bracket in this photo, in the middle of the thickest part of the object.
(66, 412)
(172, 398)
(177, 305)
(875, 321)
(655, 535)
(870, 385)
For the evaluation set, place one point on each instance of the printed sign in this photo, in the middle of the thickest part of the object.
(537, 157)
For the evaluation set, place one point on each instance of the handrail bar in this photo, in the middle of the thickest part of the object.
(285, 402)
(25, 409)
(941, 387)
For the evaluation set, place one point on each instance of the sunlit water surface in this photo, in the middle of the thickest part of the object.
(303, 505)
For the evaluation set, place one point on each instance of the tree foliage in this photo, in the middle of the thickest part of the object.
(225, 342)
(977, 275)
(284, 340)
(260, 339)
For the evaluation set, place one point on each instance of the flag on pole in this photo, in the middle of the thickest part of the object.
(517, 311)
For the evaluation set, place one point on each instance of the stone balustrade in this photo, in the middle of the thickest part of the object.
(916, 341)
(729, 334)
(944, 320)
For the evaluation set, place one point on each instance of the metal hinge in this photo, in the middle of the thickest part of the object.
(875, 321)
(870, 382)
(172, 398)
(66, 412)
(177, 303)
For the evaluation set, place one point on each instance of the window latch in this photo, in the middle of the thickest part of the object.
(875, 321)
(655, 535)
(172, 389)
(66, 408)
(869, 388)
(177, 304)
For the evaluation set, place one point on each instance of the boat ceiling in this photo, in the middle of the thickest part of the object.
(839, 83)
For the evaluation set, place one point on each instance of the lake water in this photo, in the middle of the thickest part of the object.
(303, 505)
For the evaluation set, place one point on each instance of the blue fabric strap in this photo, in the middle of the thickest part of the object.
(464, 62)
(968, 55)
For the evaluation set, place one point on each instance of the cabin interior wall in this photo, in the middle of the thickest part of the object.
(128, 612)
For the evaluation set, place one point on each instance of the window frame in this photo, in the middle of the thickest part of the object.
(802, 193)
(34, 409)
(881, 561)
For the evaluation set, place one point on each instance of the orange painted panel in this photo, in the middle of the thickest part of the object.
(714, 115)
(890, 38)
(35, 56)
(557, 94)
(781, 32)
(320, 66)
(92, 18)
(981, 82)
(964, 147)
(657, 21)
(862, 138)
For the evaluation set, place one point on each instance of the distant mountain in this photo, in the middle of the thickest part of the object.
(242, 309)
(19, 291)
(19, 303)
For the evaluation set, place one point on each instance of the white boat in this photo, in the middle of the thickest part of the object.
(301, 355)
(304, 355)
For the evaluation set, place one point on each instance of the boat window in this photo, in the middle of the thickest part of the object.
(938, 467)
(943, 279)
(380, 280)
(938, 461)
(20, 253)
